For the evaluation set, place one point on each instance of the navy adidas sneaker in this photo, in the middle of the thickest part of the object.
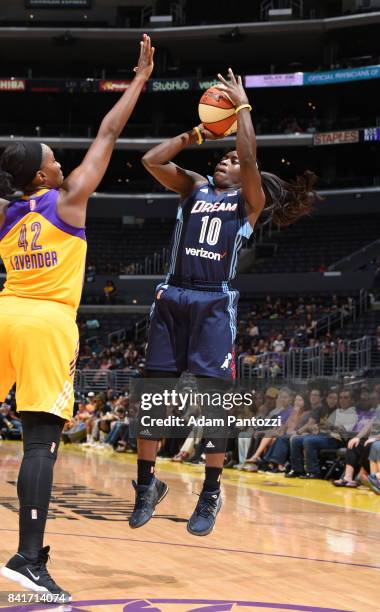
(33, 575)
(203, 519)
(147, 498)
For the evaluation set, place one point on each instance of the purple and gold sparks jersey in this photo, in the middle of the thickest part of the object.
(44, 257)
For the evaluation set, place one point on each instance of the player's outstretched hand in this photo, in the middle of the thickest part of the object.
(145, 64)
(234, 88)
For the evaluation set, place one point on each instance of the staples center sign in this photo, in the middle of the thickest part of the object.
(12, 85)
(332, 138)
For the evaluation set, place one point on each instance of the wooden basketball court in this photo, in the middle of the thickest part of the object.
(278, 545)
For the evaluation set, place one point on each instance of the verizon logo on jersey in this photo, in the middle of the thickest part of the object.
(205, 254)
(202, 206)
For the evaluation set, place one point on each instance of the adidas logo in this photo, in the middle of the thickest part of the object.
(210, 445)
(204, 190)
(146, 432)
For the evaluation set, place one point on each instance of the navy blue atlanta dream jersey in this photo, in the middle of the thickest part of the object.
(208, 235)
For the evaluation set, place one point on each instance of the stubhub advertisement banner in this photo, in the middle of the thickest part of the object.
(340, 76)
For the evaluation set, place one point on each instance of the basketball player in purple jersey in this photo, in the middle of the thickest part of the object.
(193, 319)
(43, 246)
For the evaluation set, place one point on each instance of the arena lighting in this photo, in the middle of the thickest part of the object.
(280, 13)
(160, 21)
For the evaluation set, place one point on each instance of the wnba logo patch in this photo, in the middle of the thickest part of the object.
(32, 205)
(227, 362)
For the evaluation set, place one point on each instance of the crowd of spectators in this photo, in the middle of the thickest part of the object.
(280, 325)
(273, 308)
(312, 426)
(126, 356)
(316, 421)
(102, 420)
(270, 327)
(287, 124)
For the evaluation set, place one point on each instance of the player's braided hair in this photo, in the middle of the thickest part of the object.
(7, 187)
(286, 202)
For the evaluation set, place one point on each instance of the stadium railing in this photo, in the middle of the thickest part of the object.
(343, 316)
(347, 357)
(350, 357)
(100, 381)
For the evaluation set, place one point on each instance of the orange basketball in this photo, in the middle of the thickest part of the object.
(217, 112)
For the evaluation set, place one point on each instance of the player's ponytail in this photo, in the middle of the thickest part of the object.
(18, 166)
(287, 202)
(11, 165)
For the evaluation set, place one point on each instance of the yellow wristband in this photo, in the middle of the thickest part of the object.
(243, 106)
(198, 134)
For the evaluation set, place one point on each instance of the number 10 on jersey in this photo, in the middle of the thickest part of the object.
(210, 231)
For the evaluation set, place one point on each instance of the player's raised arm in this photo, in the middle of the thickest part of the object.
(158, 162)
(83, 181)
(252, 190)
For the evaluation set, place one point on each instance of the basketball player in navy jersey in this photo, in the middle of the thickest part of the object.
(193, 320)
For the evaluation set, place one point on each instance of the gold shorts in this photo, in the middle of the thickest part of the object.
(39, 345)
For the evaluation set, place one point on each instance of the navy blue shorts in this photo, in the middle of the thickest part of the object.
(193, 330)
